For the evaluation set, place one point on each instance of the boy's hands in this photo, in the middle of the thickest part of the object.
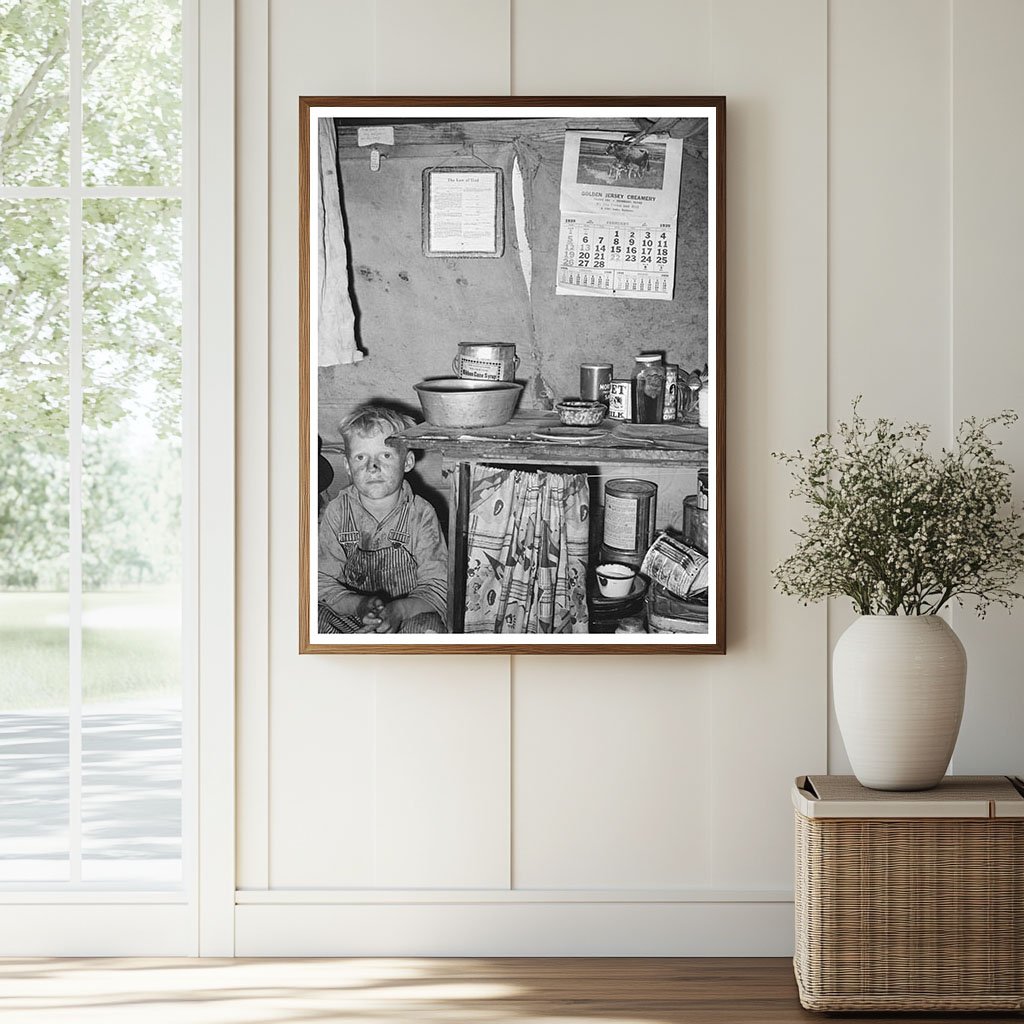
(389, 619)
(369, 613)
(378, 616)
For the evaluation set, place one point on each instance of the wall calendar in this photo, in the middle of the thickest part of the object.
(619, 208)
(602, 257)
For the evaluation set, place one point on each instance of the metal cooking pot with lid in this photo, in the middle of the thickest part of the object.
(483, 361)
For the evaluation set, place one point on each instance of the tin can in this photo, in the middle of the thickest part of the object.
(620, 400)
(486, 362)
(595, 379)
(667, 613)
(671, 408)
(677, 567)
(695, 524)
(630, 507)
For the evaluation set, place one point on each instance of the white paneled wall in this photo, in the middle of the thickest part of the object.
(768, 693)
(252, 465)
(441, 800)
(625, 804)
(319, 763)
(889, 210)
(441, 48)
(926, 288)
(590, 48)
(986, 359)
(339, 747)
(889, 247)
(612, 775)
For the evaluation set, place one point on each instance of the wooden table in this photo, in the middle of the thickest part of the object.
(530, 439)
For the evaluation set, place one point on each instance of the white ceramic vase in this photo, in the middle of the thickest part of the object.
(898, 684)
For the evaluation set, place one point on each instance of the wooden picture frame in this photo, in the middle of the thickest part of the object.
(376, 317)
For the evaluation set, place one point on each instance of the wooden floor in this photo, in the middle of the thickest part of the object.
(413, 991)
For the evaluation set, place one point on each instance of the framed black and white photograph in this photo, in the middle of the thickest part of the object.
(512, 386)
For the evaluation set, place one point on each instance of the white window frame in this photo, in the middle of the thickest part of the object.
(197, 918)
(216, 393)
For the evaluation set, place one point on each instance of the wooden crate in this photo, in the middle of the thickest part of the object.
(910, 901)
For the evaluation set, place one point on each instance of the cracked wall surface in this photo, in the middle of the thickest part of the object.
(412, 311)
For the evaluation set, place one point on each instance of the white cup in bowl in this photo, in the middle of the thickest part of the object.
(615, 580)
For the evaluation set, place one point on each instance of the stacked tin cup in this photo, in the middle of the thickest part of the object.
(485, 361)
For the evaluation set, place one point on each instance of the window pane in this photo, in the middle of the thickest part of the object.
(131, 750)
(131, 92)
(33, 540)
(131, 541)
(33, 92)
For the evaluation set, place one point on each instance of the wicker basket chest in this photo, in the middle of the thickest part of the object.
(910, 901)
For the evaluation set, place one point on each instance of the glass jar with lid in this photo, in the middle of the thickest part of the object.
(648, 388)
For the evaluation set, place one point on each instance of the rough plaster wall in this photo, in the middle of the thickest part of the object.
(412, 310)
(572, 330)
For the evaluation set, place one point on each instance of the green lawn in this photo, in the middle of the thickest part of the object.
(130, 647)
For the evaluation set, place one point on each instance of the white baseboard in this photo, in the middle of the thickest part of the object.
(520, 928)
(96, 929)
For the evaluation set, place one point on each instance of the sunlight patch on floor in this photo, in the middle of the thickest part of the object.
(300, 991)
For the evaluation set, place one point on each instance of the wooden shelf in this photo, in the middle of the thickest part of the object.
(678, 445)
(669, 444)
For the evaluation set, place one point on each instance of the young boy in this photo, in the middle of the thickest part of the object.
(383, 564)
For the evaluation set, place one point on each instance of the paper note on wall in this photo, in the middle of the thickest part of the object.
(618, 213)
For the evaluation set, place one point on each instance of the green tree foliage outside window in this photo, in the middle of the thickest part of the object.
(131, 309)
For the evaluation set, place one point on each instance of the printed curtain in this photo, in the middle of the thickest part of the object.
(527, 552)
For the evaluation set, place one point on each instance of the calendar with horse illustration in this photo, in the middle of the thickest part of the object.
(618, 215)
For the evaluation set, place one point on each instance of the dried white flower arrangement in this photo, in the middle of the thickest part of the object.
(900, 530)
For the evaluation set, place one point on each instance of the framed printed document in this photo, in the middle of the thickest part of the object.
(463, 212)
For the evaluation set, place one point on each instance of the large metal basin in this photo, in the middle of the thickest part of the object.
(464, 402)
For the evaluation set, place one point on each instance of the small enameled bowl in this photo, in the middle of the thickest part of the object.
(576, 412)
(615, 580)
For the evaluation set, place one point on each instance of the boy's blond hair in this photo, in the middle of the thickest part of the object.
(367, 418)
